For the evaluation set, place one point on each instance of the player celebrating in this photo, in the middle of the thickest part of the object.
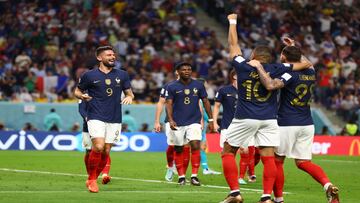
(295, 122)
(104, 86)
(182, 105)
(255, 116)
(227, 97)
(86, 142)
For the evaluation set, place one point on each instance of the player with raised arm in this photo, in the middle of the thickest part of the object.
(227, 97)
(86, 143)
(255, 115)
(182, 106)
(103, 87)
(295, 122)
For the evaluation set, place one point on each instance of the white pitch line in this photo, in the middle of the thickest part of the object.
(133, 191)
(338, 161)
(121, 178)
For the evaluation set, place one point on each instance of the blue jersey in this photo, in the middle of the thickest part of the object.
(254, 101)
(83, 112)
(162, 95)
(295, 99)
(186, 110)
(105, 90)
(227, 96)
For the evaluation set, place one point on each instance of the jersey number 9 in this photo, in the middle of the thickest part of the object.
(109, 92)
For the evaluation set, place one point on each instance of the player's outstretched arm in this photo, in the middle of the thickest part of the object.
(265, 79)
(216, 111)
(158, 112)
(234, 48)
(81, 95)
(209, 113)
(129, 96)
(169, 110)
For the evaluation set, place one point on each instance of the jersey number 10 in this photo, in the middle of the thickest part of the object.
(252, 89)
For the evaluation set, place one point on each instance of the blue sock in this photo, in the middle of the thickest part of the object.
(203, 162)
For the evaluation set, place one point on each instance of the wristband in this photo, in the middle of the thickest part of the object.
(210, 120)
(232, 21)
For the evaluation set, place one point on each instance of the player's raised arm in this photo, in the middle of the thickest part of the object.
(234, 48)
(158, 111)
(265, 79)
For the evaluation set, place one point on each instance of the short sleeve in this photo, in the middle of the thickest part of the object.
(83, 82)
(202, 92)
(169, 94)
(238, 60)
(126, 83)
(286, 78)
(278, 69)
(162, 92)
(219, 96)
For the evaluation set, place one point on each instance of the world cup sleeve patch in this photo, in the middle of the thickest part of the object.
(286, 76)
(286, 64)
(239, 59)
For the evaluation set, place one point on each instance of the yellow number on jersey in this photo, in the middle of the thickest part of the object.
(187, 100)
(109, 92)
(301, 91)
(254, 90)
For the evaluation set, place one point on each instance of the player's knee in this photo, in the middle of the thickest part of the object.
(300, 162)
(178, 149)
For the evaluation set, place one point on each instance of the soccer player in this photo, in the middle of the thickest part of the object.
(104, 86)
(86, 142)
(171, 169)
(255, 115)
(295, 122)
(182, 106)
(227, 97)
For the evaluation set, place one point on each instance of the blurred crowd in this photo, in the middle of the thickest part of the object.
(327, 31)
(46, 45)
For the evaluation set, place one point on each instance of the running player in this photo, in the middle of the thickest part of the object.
(255, 115)
(104, 86)
(295, 123)
(182, 105)
(86, 142)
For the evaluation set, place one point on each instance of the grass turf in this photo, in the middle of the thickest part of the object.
(131, 171)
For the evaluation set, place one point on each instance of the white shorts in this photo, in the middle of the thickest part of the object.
(185, 134)
(296, 142)
(86, 141)
(264, 132)
(168, 133)
(99, 129)
(222, 137)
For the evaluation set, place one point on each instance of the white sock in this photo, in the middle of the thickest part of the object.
(193, 175)
(326, 186)
(278, 199)
(265, 195)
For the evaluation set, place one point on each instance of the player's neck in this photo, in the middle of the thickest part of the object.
(185, 81)
(105, 69)
(234, 84)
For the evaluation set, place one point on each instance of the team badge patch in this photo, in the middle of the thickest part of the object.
(108, 81)
(187, 91)
(195, 91)
(117, 80)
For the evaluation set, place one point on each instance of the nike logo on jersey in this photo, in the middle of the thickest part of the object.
(177, 92)
(96, 81)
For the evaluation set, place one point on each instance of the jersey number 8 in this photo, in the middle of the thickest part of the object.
(187, 100)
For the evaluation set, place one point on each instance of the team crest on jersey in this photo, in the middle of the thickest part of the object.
(117, 80)
(187, 91)
(195, 91)
(108, 81)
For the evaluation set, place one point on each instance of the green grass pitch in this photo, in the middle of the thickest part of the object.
(53, 176)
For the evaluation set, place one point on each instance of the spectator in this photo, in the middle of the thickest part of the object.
(144, 128)
(29, 127)
(351, 128)
(52, 121)
(129, 121)
(75, 127)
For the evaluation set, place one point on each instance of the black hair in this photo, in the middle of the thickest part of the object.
(99, 50)
(292, 53)
(181, 64)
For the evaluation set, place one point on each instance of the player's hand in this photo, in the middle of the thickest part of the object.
(288, 41)
(232, 16)
(86, 97)
(216, 127)
(157, 127)
(255, 63)
(127, 100)
(173, 125)
(202, 124)
(211, 127)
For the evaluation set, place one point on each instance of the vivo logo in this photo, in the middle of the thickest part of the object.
(137, 143)
(64, 142)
